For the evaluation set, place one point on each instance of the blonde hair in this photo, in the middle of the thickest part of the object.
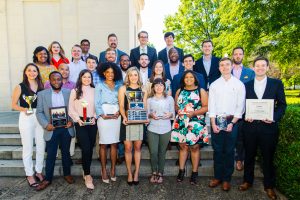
(61, 52)
(129, 71)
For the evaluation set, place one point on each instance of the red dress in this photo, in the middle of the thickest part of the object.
(61, 60)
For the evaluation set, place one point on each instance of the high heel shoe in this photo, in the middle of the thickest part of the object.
(193, 179)
(105, 181)
(130, 183)
(88, 180)
(180, 175)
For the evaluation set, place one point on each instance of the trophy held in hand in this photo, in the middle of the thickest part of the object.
(29, 100)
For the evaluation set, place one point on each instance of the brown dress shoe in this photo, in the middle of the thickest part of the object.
(214, 183)
(245, 186)
(78, 162)
(226, 186)
(42, 185)
(271, 194)
(239, 165)
(69, 179)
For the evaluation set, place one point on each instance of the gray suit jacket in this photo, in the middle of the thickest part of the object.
(42, 110)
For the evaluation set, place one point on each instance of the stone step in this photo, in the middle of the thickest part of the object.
(15, 168)
(9, 128)
(15, 153)
(10, 139)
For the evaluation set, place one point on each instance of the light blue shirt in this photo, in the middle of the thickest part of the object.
(57, 99)
(104, 95)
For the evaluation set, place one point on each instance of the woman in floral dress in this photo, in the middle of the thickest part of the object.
(189, 128)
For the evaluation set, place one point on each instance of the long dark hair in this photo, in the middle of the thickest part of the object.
(182, 84)
(39, 49)
(105, 66)
(78, 88)
(38, 79)
(153, 71)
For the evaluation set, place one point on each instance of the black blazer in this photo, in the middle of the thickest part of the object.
(135, 55)
(214, 72)
(162, 55)
(274, 90)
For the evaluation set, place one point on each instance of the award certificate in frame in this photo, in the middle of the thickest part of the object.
(58, 116)
(260, 109)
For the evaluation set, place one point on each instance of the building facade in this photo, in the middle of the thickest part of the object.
(26, 24)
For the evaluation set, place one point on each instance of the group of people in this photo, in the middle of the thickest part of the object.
(177, 94)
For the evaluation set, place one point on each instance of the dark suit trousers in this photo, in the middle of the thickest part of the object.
(240, 150)
(62, 138)
(265, 136)
(223, 144)
(86, 135)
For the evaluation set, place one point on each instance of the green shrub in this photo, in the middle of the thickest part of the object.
(287, 157)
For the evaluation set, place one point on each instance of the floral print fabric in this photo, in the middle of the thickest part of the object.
(189, 130)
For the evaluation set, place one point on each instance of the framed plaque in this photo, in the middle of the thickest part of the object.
(59, 116)
(110, 109)
(221, 121)
(260, 109)
(136, 113)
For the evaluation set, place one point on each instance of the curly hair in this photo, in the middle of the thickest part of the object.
(37, 50)
(107, 65)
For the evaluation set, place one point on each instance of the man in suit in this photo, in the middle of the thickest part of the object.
(188, 63)
(112, 41)
(244, 74)
(85, 46)
(225, 106)
(163, 54)
(175, 66)
(56, 96)
(143, 48)
(145, 70)
(208, 65)
(262, 133)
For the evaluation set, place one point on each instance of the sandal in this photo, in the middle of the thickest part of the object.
(34, 184)
(193, 179)
(39, 179)
(153, 178)
(159, 178)
(180, 175)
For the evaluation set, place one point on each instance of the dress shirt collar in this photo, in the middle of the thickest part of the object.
(261, 82)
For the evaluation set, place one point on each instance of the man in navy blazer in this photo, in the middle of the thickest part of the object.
(145, 70)
(188, 63)
(143, 48)
(208, 65)
(175, 66)
(163, 54)
(262, 134)
(245, 75)
(55, 97)
(112, 41)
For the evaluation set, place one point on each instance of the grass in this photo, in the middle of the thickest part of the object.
(292, 96)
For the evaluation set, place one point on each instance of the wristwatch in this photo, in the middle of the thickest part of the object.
(232, 123)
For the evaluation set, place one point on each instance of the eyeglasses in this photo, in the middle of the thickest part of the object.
(143, 36)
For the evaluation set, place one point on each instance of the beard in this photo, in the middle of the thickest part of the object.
(54, 88)
(237, 62)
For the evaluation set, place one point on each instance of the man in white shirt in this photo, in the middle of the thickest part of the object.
(77, 64)
(124, 64)
(262, 134)
(226, 107)
(144, 69)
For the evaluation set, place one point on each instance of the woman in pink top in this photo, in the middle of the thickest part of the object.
(82, 111)
(57, 54)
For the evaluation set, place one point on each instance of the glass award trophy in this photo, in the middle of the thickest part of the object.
(221, 121)
(136, 113)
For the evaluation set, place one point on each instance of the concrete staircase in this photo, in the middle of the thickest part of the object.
(11, 156)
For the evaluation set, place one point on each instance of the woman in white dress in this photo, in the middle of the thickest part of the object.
(109, 120)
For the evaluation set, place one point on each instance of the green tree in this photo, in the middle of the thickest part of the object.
(194, 22)
(265, 27)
